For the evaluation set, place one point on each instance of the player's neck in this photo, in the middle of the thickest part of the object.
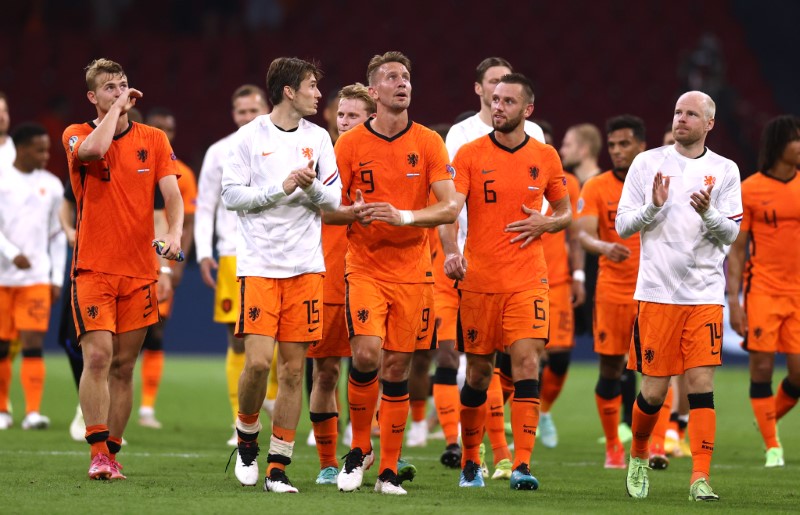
(21, 167)
(693, 150)
(287, 118)
(782, 171)
(511, 139)
(389, 123)
(122, 122)
(3, 138)
(586, 169)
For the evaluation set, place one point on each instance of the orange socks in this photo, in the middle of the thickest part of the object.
(362, 391)
(326, 433)
(608, 397)
(524, 419)
(496, 421)
(473, 419)
(552, 384)
(394, 413)
(786, 398)
(418, 410)
(152, 370)
(280, 448)
(97, 437)
(5, 383)
(446, 400)
(660, 429)
(645, 417)
(701, 433)
(763, 403)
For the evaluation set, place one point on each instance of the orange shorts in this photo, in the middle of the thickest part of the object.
(24, 308)
(335, 341)
(108, 302)
(288, 309)
(400, 314)
(562, 318)
(613, 327)
(446, 304)
(773, 323)
(669, 339)
(489, 322)
(165, 306)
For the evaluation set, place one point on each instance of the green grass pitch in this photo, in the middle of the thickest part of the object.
(181, 468)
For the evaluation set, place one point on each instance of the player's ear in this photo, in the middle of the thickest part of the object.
(478, 89)
(91, 96)
(288, 93)
(528, 110)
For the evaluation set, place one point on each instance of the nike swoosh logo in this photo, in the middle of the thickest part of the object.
(310, 330)
(538, 326)
(714, 353)
(420, 338)
(365, 163)
(146, 314)
(398, 426)
(492, 408)
(265, 154)
(486, 171)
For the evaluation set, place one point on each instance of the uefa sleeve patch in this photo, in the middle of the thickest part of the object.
(173, 156)
(581, 203)
(72, 141)
(452, 171)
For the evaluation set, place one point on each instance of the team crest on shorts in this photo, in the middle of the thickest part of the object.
(363, 315)
(602, 336)
(649, 355)
(472, 335)
(757, 332)
(226, 305)
(253, 313)
(92, 312)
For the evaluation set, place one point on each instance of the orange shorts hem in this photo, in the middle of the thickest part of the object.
(115, 303)
(335, 341)
(24, 308)
(562, 317)
(773, 324)
(612, 327)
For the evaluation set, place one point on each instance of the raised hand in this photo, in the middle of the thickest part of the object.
(660, 189)
(701, 200)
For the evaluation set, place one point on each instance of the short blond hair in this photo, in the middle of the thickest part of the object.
(589, 135)
(358, 91)
(99, 67)
(389, 57)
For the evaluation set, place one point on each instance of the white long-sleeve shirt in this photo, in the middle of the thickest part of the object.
(682, 252)
(279, 235)
(210, 215)
(469, 130)
(29, 225)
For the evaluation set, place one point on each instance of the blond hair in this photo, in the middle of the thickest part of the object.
(99, 67)
(389, 57)
(358, 91)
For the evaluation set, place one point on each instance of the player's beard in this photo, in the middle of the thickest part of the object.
(509, 125)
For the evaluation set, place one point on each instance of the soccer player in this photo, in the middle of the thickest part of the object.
(389, 165)
(115, 166)
(615, 309)
(445, 390)
(769, 319)
(280, 172)
(502, 276)
(355, 107)
(32, 262)
(580, 150)
(211, 220)
(686, 203)
(153, 347)
(7, 150)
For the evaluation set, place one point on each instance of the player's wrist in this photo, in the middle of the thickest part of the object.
(165, 270)
(579, 275)
(406, 217)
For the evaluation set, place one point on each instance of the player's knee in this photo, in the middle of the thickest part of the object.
(291, 375)
(97, 360)
(479, 375)
(326, 380)
(525, 367)
(366, 358)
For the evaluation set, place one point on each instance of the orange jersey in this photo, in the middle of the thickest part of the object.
(772, 217)
(334, 248)
(115, 195)
(497, 181)
(555, 244)
(188, 186)
(616, 282)
(398, 170)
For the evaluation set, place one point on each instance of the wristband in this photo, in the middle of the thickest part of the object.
(406, 218)
(165, 270)
(579, 275)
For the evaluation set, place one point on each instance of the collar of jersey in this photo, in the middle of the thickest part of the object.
(368, 124)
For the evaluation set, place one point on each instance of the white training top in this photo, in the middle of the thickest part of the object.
(278, 235)
(469, 130)
(8, 153)
(29, 225)
(682, 252)
(210, 213)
